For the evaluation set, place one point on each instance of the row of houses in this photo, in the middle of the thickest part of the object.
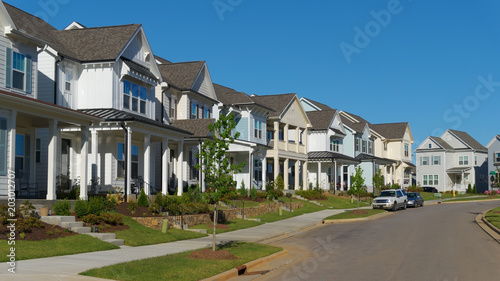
(96, 106)
(456, 160)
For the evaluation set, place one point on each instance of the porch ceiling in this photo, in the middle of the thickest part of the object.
(458, 170)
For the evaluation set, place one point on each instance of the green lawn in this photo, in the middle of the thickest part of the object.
(180, 267)
(493, 216)
(232, 224)
(139, 235)
(308, 208)
(483, 197)
(337, 202)
(350, 215)
(54, 247)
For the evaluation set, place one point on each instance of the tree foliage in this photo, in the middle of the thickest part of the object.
(358, 182)
(378, 180)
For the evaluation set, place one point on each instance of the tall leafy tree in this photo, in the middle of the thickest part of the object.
(216, 165)
(358, 182)
(378, 180)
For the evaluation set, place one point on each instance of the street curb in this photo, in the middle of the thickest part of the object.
(232, 273)
(372, 217)
(490, 229)
(469, 201)
(272, 239)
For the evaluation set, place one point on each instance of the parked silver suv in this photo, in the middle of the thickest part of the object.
(390, 199)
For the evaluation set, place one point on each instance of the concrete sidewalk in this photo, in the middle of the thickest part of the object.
(67, 267)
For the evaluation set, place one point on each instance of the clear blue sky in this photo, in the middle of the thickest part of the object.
(423, 65)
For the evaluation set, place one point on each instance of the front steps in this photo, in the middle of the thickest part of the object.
(69, 222)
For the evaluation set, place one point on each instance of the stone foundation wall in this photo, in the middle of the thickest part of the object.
(223, 215)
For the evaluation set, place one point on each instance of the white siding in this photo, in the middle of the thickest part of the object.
(46, 77)
(96, 88)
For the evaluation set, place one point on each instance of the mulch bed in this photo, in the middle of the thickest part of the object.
(37, 234)
(359, 212)
(122, 208)
(218, 226)
(208, 254)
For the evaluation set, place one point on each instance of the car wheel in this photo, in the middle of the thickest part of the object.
(395, 206)
(404, 206)
(421, 205)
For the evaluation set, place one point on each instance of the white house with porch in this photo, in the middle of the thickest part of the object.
(451, 162)
(494, 163)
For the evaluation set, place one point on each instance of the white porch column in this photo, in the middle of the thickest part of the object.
(250, 171)
(52, 160)
(11, 164)
(95, 159)
(318, 177)
(84, 152)
(180, 168)
(349, 176)
(297, 176)
(147, 164)
(385, 175)
(304, 175)
(297, 139)
(285, 172)
(335, 174)
(392, 174)
(276, 138)
(264, 172)
(285, 137)
(276, 167)
(128, 188)
(164, 167)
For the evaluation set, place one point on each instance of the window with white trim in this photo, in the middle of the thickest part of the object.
(3, 146)
(424, 160)
(430, 179)
(357, 144)
(370, 147)
(194, 111)
(172, 108)
(257, 132)
(334, 144)
(407, 150)
(497, 157)
(18, 71)
(120, 157)
(436, 160)
(463, 160)
(364, 146)
(134, 97)
(207, 113)
(67, 82)
(475, 160)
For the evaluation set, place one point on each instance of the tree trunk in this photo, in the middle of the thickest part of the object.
(215, 223)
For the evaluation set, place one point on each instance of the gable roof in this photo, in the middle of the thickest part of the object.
(441, 143)
(495, 138)
(319, 105)
(86, 44)
(358, 127)
(197, 127)
(162, 60)
(321, 120)
(278, 103)
(391, 130)
(181, 75)
(470, 141)
(219, 89)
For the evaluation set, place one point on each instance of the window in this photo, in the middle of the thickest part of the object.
(497, 157)
(463, 160)
(257, 170)
(436, 160)
(370, 147)
(430, 179)
(334, 144)
(281, 134)
(430, 145)
(424, 160)
(3, 146)
(172, 108)
(435, 179)
(257, 129)
(475, 160)
(38, 150)
(18, 71)
(134, 97)
(357, 144)
(425, 180)
(194, 111)
(385, 146)
(207, 113)
(67, 83)
(121, 161)
(301, 137)
(364, 146)
(407, 150)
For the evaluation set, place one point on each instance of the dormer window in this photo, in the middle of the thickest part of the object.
(18, 71)
(334, 144)
(194, 111)
(134, 97)
(258, 129)
(67, 84)
(407, 150)
(370, 147)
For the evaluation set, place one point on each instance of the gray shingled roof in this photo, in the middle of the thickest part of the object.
(276, 102)
(357, 127)
(234, 98)
(197, 127)
(88, 44)
(370, 158)
(321, 120)
(441, 142)
(391, 130)
(181, 75)
(322, 155)
(109, 114)
(319, 105)
(162, 60)
(470, 141)
(219, 89)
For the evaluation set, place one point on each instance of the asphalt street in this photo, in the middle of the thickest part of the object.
(438, 242)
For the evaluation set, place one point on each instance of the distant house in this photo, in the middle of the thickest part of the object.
(251, 145)
(287, 129)
(452, 162)
(494, 162)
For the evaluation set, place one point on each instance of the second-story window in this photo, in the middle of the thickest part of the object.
(18, 71)
(257, 129)
(436, 160)
(334, 144)
(207, 113)
(364, 146)
(497, 157)
(370, 147)
(407, 150)
(194, 111)
(463, 160)
(67, 83)
(424, 160)
(281, 134)
(357, 144)
(172, 108)
(134, 97)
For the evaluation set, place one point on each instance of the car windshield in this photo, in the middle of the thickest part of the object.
(387, 194)
(412, 195)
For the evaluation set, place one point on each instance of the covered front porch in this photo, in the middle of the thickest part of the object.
(458, 178)
(330, 170)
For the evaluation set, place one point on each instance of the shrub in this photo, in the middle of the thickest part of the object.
(91, 219)
(95, 205)
(112, 218)
(469, 189)
(154, 208)
(143, 199)
(62, 208)
(274, 194)
(474, 190)
(253, 193)
(288, 195)
(27, 208)
(242, 191)
(311, 194)
(132, 206)
(261, 195)
(279, 184)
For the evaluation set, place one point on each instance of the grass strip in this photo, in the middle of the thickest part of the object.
(493, 216)
(180, 267)
(68, 245)
(308, 208)
(354, 215)
(140, 235)
(232, 224)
